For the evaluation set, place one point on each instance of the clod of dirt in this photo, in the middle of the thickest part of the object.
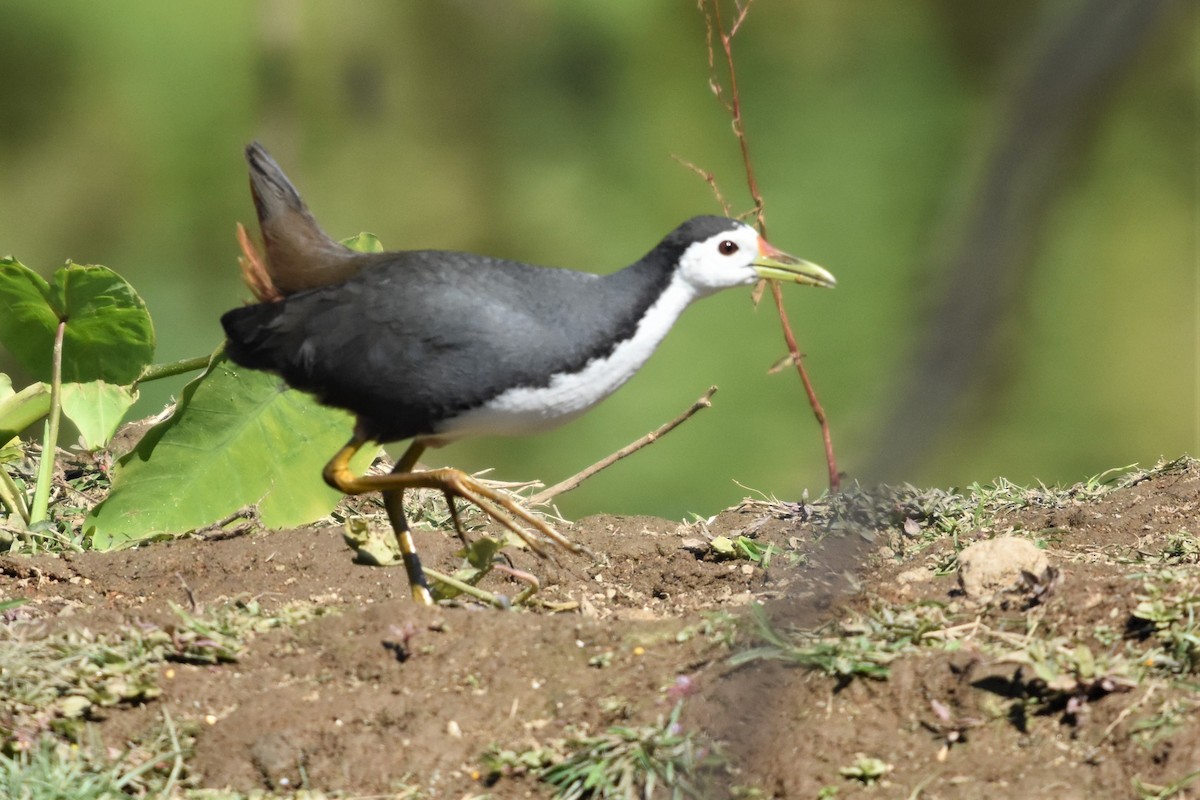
(279, 759)
(988, 568)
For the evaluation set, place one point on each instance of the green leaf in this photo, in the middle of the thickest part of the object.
(97, 409)
(238, 437)
(723, 545)
(372, 545)
(364, 243)
(108, 335)
(19, 410)
(479, 553)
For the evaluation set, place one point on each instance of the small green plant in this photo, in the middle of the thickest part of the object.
(1181, 548)
(1068, 675)
(743, 547)
(866, 769)
(88, 338)
(860, 647)
(1170, 609)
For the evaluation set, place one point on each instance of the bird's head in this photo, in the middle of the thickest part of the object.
(718, 253)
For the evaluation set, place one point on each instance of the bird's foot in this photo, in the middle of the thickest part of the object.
(497, 505)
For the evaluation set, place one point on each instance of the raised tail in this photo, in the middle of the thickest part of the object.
(299, 254)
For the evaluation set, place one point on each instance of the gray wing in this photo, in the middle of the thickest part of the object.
(419, 337)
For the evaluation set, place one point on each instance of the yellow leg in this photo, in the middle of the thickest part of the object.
(338, 474)
(452, 483)
(393, 502)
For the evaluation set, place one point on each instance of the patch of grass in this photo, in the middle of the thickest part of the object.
(659, 760)
(928, 514)
(81, 483)
(718, 627)
(1171, 715)
(51, 684)
(1162, 641)
(859, 647)
(1181, 548)
(1169, 608)
(52, 769)
(403, 792)
(1149, 791)
(1067, 675)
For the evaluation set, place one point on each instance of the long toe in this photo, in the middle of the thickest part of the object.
(504, 509)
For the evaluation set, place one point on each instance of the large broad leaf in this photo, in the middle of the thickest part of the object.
(97, 409)
(19, 410)
(238, 437)
(108, 335)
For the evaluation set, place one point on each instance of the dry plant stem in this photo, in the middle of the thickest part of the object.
(734, 104)
(713, 24)
(650, 438)
(835, 478)
(711, 180)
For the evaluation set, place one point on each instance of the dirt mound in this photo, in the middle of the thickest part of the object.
(868, 668)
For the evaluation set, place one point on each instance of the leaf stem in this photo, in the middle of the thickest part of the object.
(156, 372)
(41, 492)
(10, 495)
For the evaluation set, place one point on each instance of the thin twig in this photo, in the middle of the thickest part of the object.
(650, 438)
(835, 477)
(220, 529)
(711, 180)
(193, 604)
(733, 105)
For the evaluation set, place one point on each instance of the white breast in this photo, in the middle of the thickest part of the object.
(524, 410)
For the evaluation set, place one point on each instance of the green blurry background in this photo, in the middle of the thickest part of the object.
(1006, 195)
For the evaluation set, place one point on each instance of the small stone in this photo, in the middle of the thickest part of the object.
(993, 566)
(918, 575)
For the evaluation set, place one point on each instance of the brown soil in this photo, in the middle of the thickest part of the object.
(386, 694)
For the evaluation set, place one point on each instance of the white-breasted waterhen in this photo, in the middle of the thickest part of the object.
(434, 346)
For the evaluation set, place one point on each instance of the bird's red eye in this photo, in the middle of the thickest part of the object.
(727, 248)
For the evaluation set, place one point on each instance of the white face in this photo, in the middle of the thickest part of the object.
(721, 261)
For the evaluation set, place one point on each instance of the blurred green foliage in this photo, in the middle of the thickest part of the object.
(544, 131)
